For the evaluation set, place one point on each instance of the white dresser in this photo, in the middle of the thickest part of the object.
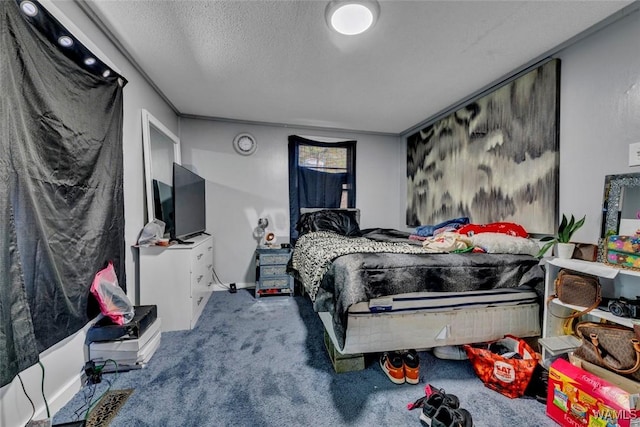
(178, 279)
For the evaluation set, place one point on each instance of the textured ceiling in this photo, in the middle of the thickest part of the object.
(277, 61)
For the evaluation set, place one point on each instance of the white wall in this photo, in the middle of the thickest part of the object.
(64, 363)
(242, 189)
(599, 117)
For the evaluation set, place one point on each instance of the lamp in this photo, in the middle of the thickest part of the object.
(351, 17)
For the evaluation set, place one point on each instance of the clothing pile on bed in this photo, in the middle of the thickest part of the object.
(459, 235)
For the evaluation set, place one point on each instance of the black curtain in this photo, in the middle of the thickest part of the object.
(61, 194)
(312, 188)
(316, 188)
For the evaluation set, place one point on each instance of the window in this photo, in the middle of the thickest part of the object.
(321, 175)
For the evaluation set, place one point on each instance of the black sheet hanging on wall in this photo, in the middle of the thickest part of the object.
(61, 194)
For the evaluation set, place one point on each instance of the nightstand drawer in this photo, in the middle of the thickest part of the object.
(278, 282)
(273, 270)
(270, 259)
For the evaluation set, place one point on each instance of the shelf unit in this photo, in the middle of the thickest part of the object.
(615, 283)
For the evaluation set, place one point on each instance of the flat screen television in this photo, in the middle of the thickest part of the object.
(189, 210)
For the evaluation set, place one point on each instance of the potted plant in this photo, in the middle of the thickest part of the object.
(562, 239)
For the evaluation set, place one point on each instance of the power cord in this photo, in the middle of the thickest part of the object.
(33, 407)
(46, 404)
(215, 277)
(99, 369)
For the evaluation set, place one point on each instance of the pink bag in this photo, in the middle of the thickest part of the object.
(111, 298)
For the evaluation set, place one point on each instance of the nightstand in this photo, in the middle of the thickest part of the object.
(271, 272)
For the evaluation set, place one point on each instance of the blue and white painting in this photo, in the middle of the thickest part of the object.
(495, 159)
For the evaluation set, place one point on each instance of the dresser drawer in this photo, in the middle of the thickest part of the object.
(201, 276)
(201, 255)
(198, 301)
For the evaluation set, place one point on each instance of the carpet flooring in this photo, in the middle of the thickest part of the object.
(262, 362)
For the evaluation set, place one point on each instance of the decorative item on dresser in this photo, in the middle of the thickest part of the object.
(271, 272)
(178, 279)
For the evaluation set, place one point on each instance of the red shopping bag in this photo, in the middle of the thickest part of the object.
(505, 365)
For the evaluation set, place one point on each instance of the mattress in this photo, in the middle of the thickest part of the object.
(431, 319)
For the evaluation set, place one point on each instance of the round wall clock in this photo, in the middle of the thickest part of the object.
(245, 144)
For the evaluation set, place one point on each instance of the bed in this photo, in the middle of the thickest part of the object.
(379, 290)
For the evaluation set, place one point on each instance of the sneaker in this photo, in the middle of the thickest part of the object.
(391, 364)
(436, 400)
(411, 363)
(448, 417)
(450, 352)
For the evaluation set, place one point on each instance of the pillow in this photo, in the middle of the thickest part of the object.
(500, 243)
(339, 221)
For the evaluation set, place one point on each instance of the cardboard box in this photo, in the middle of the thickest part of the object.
(577, 397)
(627, 384)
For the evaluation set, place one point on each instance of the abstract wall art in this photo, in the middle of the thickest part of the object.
(494, 159)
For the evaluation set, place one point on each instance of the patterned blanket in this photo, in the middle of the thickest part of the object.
(315, 252)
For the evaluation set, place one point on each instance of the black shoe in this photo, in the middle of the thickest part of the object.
(411, 364)
(538, 385)
(448, 417)
(435, 401)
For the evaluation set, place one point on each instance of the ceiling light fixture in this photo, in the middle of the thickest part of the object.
(351, 17)
(29, 8)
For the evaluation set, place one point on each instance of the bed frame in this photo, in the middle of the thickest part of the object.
(378, 332)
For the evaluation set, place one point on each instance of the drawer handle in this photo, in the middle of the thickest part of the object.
(210, 248)
(199, 300)
(209, 284)
(199, 256)
(199, 278)
(209, 266)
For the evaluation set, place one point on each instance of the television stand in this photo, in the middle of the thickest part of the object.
(178, 279)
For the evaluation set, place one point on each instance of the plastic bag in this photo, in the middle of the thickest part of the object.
(151, 233)
(113, 302)
(505, 365)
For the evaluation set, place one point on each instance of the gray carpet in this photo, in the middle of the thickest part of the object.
(262, 362)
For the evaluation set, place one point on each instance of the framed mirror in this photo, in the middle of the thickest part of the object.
(621, 204)
(161, 149)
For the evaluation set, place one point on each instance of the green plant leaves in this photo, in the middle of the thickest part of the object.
(565, 231)
(567, 228)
